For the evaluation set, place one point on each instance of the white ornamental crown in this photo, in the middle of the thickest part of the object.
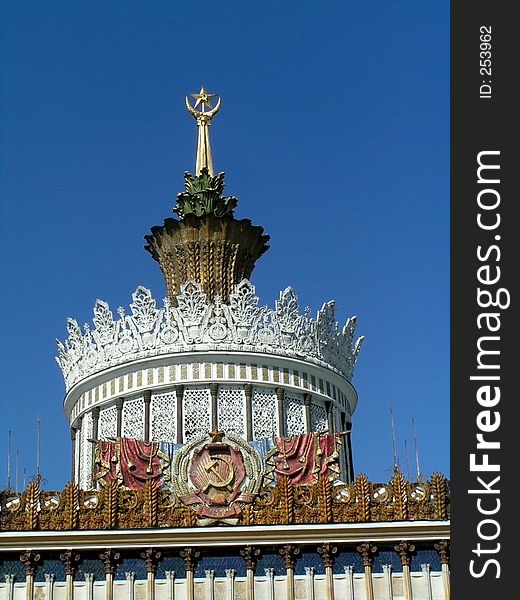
(196, 325)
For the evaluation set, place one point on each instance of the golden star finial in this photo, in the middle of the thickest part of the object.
(216, 436)
(203, 118)
(203, 98)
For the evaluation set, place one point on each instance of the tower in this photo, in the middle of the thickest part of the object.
(210, 358)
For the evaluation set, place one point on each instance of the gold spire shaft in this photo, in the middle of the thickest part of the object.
(203, 118)
(203, 148)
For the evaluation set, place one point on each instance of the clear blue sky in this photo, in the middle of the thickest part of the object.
(334, 135)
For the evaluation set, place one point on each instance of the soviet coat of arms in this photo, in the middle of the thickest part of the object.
(217, 476)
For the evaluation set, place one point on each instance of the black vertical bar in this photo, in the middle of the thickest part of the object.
(483, 253)
(248, 389)
(119, 417)
(213, 389)
(73, 454)
(147, 398)
(179, 427)
(280, 400)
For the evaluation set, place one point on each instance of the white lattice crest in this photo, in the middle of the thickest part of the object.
(133, 418)
(194, 324)
(264, 414)
(196, 411)
(231, 410)
(318, 417)
(294, 415)
(163, 411)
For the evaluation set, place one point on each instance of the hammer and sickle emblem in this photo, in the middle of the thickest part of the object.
(218, 477)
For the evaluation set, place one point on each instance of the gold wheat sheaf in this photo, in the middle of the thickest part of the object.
(32, 501)
(400, 497)
(362, 487)
(439, 490)
(71, 498)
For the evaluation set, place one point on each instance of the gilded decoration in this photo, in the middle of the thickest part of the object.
(207, 244)
(113, 507)
(130, 462)
(203, 118)
(216, 251)
(203, 196)
(217, 475)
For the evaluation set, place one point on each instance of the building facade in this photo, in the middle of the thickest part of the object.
(211, 450)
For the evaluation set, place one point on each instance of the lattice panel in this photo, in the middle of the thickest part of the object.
(133, 419)
(294, 415)
(231, 410)
(108, 423)
(163, 411)
(318, 417)
(85, 472)
(196, 411)
(264, 414)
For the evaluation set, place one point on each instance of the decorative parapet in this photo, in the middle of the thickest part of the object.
(194, 324)
(283, 503)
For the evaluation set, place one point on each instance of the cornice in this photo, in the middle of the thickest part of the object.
(338, 533)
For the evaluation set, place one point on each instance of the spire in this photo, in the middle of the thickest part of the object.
(206, 244)
(203, 118)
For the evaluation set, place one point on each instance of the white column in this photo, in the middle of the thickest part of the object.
(407, 583)
(443, 550)
(130, 578)
(369, 584)
(9, 581)
(170, 578)
(69, 586)
(250, 554)
(387, 573)
(446, 580)
(109, 586)
(89, 582)
(250, 584)
(29, 587)
(289, 553)
(29, 560)
(49, 585)
(328, 553)
(427, 581)
(190, 586)
(190, 557)
(309, 582)
(269, 576)
(210, 588)
(150, 585)
(110, 560)
(405, 549)
(329, 580)
(230, 584)
(151, 558)
(349, 582)
(366, 550)
(69, 559)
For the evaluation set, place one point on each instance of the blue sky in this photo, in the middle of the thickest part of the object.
(334, 135)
